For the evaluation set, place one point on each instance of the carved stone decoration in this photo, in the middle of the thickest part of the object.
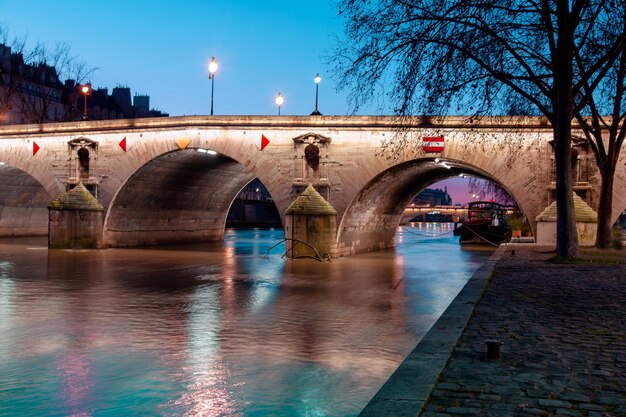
(313, 138)
(83, 153)
(311, 155)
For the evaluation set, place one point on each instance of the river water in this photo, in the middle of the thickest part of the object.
(223, 329)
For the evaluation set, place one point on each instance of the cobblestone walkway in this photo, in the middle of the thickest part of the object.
(563, 329)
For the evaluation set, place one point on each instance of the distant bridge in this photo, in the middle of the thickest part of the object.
(456, 213)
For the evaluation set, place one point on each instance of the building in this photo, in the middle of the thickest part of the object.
(29, 93)
(33, 93)
(433, 197)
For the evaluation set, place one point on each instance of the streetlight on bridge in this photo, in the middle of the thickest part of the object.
(280, 99)
(85, 89)
(212, 71)
(317, 80)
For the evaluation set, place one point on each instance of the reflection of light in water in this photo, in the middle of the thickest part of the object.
(430, 229)
(261, 295)
(206, 393)
(75, 368)
(7, 292)
(207, 396)
(398, 271)
(397, 294)
(229, 266)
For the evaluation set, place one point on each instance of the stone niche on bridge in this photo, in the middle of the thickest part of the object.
(311, 156)
(76, 220)
(83, 156)
(310, 226)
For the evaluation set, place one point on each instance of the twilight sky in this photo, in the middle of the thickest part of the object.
(162, 49)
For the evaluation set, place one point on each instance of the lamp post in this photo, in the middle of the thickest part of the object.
(212, 70)
(279, 101)
(317, 80)
(85, 89)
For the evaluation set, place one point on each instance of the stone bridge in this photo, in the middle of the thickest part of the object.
(456, 213)
(169, 180)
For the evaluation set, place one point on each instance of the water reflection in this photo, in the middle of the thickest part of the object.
(215, 330)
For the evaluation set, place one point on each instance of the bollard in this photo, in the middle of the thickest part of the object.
(493, 349)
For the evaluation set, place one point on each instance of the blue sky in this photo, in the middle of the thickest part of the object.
(162, 48)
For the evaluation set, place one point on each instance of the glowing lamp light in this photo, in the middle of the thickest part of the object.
(280, 99)
(212, 71)
(212, 67)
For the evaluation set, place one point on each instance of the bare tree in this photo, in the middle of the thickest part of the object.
(485, 57)
(44, 96)
(604, 116)
(30, 80)
(9, 84)
(483, 187)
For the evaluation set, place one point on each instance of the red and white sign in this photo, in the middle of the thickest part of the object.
(126, 143)
(264, 142)
(433, 144)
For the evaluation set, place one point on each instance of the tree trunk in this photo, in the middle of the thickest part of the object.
(605, 206)
(566, 236)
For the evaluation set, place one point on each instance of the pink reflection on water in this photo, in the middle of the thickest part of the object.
(75, 369)
(207, 396)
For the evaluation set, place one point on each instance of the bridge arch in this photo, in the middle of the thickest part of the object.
(184, 195)
(371, 219)
(23, 203)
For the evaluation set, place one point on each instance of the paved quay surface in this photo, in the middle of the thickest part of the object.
(563, 352)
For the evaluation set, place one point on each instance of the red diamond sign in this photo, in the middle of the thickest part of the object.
(264, 142)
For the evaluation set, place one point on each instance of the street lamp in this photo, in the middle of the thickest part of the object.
(317, 80)
(85, 89)
(279, 101)
(212, 70)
